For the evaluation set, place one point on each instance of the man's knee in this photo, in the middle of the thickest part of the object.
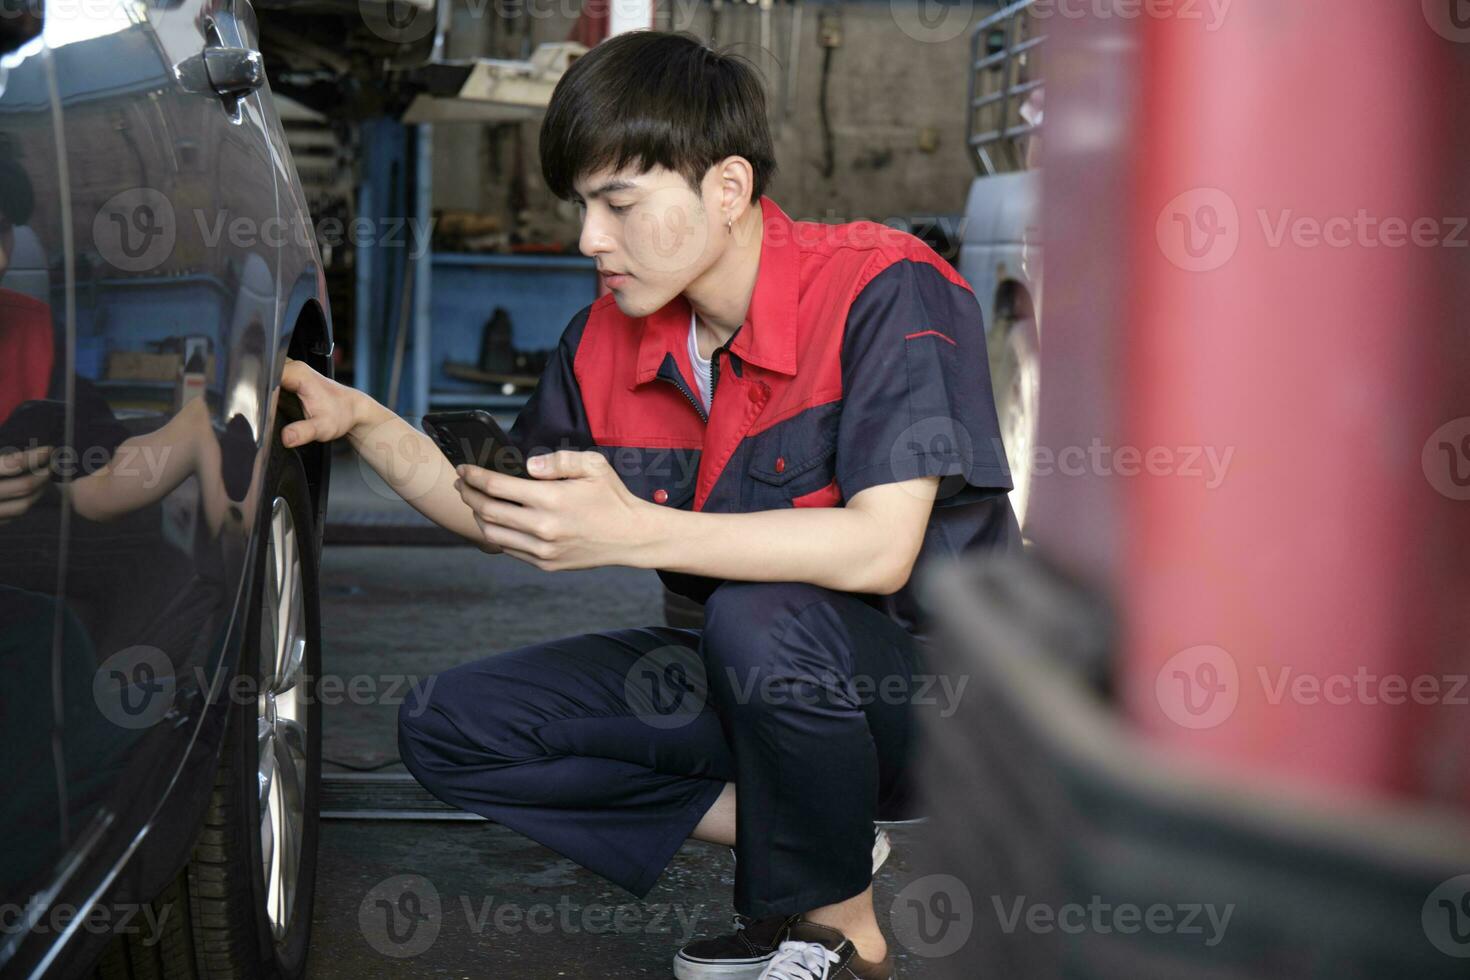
(422, 730)
(745, 616)
(447, 723)
(760, 659)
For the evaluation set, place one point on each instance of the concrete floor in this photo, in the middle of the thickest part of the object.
(507, 907)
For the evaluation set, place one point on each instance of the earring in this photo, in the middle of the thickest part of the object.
(730, 225)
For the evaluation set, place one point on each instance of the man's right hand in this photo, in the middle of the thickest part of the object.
(332, 409)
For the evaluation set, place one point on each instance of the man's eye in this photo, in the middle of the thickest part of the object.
(620, 208)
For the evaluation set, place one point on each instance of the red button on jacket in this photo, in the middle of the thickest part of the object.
(660, 496)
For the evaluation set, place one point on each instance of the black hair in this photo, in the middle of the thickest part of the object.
(17, 199)
(655, 98)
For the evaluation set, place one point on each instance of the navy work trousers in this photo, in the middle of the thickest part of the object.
(609, 747)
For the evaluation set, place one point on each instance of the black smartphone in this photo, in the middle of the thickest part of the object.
(474, 437)
(41, 422)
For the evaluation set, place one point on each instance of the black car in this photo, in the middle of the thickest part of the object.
(158, 546)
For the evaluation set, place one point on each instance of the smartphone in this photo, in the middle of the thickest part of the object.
(41, 422)
(474, 437)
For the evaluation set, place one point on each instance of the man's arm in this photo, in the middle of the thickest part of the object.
(406, 459)
(869, 545)
(578, 514)
(410, 463)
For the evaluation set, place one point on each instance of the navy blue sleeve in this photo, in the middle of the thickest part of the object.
(916, 395)
(555, 418)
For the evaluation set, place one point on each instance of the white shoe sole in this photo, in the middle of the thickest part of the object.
(751, 969)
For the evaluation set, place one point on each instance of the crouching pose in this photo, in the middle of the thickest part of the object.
(782, 418)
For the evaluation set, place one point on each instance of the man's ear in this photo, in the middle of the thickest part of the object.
(737, 179)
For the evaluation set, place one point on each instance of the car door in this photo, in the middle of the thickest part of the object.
(33, 329)
(173, 208)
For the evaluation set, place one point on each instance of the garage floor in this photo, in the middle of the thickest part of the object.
(508, 907)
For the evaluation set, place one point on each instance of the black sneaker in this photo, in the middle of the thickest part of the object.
(744, 953)
(740, 955)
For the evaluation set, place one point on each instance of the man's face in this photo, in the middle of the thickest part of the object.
(650, 229)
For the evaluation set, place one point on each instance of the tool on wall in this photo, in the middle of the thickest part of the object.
(829, 36)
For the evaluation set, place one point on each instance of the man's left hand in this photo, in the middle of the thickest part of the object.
(575, 513)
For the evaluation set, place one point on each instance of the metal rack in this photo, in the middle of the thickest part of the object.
(1005, 68)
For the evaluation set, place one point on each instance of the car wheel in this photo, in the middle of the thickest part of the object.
(254, 865)
(1016, 378)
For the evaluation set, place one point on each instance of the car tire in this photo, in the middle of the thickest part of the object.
(251, 878)
(214, 920)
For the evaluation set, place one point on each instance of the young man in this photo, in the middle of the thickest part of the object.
(780, 417)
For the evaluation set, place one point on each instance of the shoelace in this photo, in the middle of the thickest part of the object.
(800, 961)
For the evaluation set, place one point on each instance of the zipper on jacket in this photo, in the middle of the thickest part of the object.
(684, 390)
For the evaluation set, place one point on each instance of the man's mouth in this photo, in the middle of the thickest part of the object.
(614, 279)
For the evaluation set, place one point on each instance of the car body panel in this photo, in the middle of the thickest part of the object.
(1001, 249)
(163, 217)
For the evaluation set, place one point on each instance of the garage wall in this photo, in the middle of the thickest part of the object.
(896, 93)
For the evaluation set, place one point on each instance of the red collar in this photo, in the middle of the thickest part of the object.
(767, 338)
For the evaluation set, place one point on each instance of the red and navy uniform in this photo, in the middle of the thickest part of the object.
(862, 362)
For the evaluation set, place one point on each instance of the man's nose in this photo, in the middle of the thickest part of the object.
(594, 240)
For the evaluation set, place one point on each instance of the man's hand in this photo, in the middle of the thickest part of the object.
(23, 479)
(576, 513)
(332, 409)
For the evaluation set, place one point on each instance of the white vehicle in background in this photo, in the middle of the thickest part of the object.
(1000, 254)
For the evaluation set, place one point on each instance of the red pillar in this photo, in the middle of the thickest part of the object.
(1301, 308)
